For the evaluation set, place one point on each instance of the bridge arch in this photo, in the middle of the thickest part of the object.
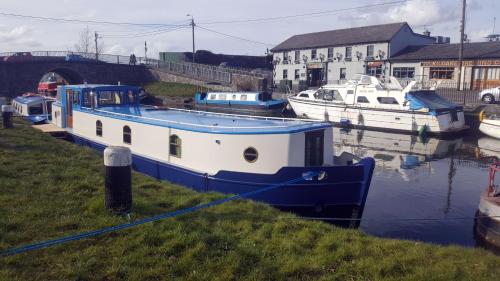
(69, 75)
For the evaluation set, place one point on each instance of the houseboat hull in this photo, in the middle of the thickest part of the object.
(406, 121)
(343, 185)
(490, 127)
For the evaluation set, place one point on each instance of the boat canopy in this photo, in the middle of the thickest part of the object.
(431, 100)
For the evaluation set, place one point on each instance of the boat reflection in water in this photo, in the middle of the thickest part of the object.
(406, 156)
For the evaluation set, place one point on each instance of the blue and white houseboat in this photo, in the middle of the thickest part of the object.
(241, 102)
(214, 151)
(37, 108)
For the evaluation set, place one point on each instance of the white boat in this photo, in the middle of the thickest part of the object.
(383, 104)
(214, 151)
(37, 108)
(490, 125)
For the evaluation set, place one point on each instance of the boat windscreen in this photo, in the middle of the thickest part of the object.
(430, 100)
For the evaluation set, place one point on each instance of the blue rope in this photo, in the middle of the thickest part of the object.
(48, 243)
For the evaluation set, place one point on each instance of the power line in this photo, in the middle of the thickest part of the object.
(85, 21)
(147, 33)
(234, 37)
(306, 14)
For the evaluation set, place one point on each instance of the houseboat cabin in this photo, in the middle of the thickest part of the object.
(37, 108)
(239, 101)
(214, 151)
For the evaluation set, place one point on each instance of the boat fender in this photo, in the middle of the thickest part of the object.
(288, 106)
(118, 179)
(423, 131)
(481, 115)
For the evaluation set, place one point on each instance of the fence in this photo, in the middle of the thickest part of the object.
(193, 70)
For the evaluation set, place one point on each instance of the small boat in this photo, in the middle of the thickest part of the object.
(36, 108)
(382, 104)
(240, 102)
(489, 124)
(215, 151)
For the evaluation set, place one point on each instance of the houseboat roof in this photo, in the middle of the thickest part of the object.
(30, 99)
(200, 121)
(93, 86)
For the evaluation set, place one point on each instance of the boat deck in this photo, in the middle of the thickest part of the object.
(208, 121)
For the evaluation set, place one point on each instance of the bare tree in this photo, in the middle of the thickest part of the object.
(87, 42)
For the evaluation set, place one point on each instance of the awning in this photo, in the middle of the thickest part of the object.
(374, 63)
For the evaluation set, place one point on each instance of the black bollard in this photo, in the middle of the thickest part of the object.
(118, 179)
(7, 111)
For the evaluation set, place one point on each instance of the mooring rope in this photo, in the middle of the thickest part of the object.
(57, 241)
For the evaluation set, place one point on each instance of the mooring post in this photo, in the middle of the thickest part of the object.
(118, 179)
(7, 111)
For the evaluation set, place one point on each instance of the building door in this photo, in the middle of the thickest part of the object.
(314, 148)
(69, 108)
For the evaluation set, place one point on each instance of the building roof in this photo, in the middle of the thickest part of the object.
(477, 50)
(339, 37)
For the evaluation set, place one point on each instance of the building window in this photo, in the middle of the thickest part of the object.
(369, 52)
(98, 128)
(313, 54)
(297, 56)
(330, 53)
(175, 146)
(387, 100)
(285, 57)
(362, 99)
(127, 135)
(285, 74)
(348, 53)
(250, 154)
(297, 74)
(403, 72)
(343, 72)
(441, 72)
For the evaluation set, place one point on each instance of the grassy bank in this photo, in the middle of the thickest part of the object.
(169, 89)
(50, 188)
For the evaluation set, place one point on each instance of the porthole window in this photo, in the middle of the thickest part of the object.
(98, 128)
(175, 146)
(127, 135)
(250, 154)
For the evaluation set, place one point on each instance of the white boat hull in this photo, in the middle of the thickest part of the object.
(490, 128)
(378, 118)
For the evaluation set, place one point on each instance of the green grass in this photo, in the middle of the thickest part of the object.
(51, 188)
(170, 89)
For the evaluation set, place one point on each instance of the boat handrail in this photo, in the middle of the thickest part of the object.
(192, 124)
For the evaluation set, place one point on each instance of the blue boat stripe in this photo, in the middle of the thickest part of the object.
(35, 246)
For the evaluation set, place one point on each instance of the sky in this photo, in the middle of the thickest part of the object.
(223, 26)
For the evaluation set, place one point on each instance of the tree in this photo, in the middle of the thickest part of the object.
(86, 42)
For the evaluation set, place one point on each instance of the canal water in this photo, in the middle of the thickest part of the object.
(422, 189)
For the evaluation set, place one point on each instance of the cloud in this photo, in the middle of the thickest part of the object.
(18, 37)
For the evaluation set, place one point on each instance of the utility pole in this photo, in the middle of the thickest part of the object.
(146, 51)
(96, 36)
(461, 48)
(192, 31)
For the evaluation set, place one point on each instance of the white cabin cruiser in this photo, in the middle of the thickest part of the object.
(490, 125)
(369, 102)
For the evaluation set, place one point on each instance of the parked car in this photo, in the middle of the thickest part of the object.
(75, 57)
(491, 95)
(21, 56)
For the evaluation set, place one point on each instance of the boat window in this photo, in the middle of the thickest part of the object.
(222, 96)
(363, 99)
(76, 97)
(387, 100)
(87, 99)
(314, 147)
(213, 96)
(243, 97)
(350, 92)
(110, 98)
(131, 97)
(234, 97)
(304, 95)
(332, 95)
(250, 154)
(175, 146)
(49, 106)
(98, 128)
(127, 135)
(366, 80)
(35, 109)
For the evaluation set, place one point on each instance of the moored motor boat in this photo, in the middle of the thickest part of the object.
(239, 102)
(383, 104)
(36, 108)
(490, 124)
(217, 152)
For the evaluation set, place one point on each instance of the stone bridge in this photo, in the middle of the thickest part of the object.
(18, 77)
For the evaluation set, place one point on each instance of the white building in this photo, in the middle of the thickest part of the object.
(313, 59)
